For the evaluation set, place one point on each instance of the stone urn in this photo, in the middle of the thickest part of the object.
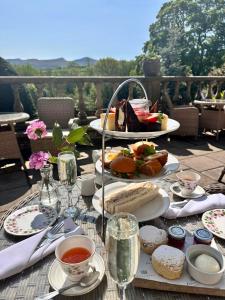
(151, 67)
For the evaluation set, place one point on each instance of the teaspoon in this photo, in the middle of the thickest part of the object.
(86, 281)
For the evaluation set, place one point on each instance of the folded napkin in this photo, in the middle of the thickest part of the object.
(197, 206)
(22, 255)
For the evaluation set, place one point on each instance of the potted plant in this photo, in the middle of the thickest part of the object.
(151, 64)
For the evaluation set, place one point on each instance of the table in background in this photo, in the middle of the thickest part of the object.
(34, 280)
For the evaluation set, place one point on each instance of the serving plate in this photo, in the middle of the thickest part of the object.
(171, 166)
(151, 210)
(172, 126)
(214, 221)
(29, 220)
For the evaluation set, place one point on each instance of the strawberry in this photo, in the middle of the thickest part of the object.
(152, 119)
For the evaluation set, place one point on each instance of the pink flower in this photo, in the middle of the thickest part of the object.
(38, 160)
(36, 129)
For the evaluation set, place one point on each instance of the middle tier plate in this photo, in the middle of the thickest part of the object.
(149, 211)
(171, 166)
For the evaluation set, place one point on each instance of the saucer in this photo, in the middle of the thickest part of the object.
(198, 192)
(58, 279)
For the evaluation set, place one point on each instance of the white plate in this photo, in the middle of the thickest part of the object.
(58, 279)
(198, 192)
(172, 126)
(214, 221)
(151, 210)
(29, 220)
(171, 166)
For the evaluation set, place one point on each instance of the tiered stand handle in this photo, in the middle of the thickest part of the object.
(103, 143)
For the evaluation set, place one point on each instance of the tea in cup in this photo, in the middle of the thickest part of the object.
(188, 182)
(74, 255)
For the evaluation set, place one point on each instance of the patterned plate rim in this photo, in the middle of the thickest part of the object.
(206, 225)
(21, 210)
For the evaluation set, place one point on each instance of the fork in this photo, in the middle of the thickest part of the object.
(51, 234)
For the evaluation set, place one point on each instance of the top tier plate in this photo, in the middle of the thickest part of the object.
(172, 126)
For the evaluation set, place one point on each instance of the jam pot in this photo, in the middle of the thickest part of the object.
(203, 236)
(176, 236)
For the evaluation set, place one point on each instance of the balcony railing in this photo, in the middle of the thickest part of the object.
(168, 89)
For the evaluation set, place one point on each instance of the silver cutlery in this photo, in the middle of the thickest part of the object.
(51, 235)
(86, 281)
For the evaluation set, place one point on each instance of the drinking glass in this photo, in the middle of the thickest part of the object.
(123, 246)
(67, 169)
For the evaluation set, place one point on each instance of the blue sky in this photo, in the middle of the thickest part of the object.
(75, 28)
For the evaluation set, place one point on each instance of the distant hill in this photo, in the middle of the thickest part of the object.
(52, 63)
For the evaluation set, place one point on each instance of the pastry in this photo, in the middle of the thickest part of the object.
(110, 123)
(127, 120)
(151, 167)
(123, 166)
(152, 237)
(168, 262)
(161, 156)
(131, 197)
(109, 156)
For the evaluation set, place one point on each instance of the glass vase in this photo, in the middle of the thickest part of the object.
(48, 189)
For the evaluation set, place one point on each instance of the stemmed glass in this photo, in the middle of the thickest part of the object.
(67, 169)
(122, 243)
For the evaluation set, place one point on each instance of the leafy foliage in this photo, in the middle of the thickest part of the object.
(77, 135)
(7, 95)
(189, 36)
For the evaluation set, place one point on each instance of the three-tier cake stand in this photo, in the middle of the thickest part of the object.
(96, 124)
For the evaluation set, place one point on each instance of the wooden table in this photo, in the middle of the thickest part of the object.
(12, 118)
(34, 281)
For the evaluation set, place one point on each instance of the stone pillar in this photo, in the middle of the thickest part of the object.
(130, 95)
(18, 106)
(152, 87)
(188, 91)
(82, 113)
(99, 100)
(209, 94)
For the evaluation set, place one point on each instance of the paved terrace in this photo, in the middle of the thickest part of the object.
(205, 155)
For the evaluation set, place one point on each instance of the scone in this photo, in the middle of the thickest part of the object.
(168, 262)
(152, 237)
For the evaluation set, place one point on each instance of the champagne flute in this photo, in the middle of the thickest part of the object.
(67, 169)
(122, 243)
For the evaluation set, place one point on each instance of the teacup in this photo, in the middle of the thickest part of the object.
(75, 271)
(87, 184)
(188, 182)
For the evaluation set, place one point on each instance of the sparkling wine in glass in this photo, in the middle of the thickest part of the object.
(67, 169)
(123, 247)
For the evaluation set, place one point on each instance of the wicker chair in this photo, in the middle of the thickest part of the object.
(9, 148)
(50, 110)
(188, 117)
(212, 120)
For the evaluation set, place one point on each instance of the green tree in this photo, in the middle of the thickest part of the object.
(189, 36)
(7, 95)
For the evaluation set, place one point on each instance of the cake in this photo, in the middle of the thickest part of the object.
(168, 262)
(127, 120)
(152, 237)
